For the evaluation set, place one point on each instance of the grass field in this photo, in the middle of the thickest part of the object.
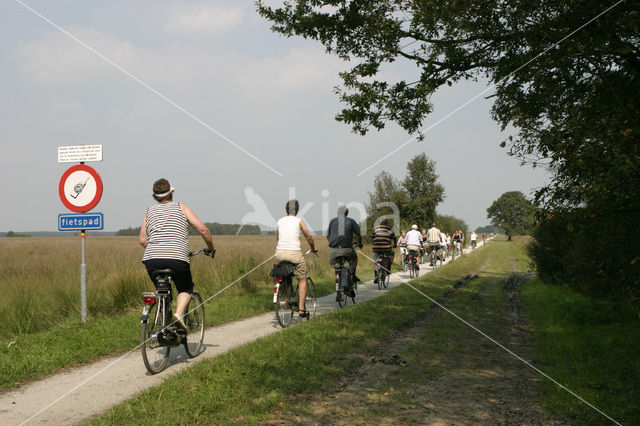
(40, 307)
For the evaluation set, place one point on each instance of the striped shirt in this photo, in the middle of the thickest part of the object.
(383, 239)
(167, 233)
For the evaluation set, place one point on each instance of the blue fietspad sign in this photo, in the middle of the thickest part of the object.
(81, 221)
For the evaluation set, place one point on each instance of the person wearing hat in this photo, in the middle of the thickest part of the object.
(164, 236)
(414, 239)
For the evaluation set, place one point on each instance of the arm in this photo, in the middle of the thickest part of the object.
(198, 225)
(307, 235)
(143, 231)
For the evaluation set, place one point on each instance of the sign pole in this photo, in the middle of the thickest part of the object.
(83, 282)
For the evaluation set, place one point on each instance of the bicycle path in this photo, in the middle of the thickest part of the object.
(78, 394)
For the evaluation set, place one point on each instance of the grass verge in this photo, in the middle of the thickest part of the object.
(591, 347)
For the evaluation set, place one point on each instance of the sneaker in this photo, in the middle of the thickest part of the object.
(375, 280)
(356, 279)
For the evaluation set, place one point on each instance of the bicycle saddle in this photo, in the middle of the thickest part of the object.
(162, 273)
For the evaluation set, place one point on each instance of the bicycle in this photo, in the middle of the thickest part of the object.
(413, 266)
(383, 271)
(403, 256)
(159, 335)
(346, 285)
(473, 244)
(285, 298)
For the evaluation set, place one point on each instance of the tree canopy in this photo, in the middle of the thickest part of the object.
(513, 213)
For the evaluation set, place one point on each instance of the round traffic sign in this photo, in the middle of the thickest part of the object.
(80, 188)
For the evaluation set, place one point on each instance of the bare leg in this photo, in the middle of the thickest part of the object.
(181, 305)
(302, 292)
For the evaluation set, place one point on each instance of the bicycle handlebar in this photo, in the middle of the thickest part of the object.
(204, 250)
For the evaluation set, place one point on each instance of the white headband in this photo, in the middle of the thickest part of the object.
(166, 193)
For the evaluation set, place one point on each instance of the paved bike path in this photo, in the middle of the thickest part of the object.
(78, 394)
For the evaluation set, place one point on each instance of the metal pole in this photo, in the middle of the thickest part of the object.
(83, 283)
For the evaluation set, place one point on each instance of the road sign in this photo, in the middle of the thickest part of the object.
(80, 222)
(79, 153)
(80, 188)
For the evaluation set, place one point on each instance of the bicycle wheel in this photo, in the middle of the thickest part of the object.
(342, 298)
(154, 355)
(417, 272)
(310, 298)
(284, 313)
(194, 320)
(433, 259)
(411, 270)
(354, 291)
(385, 283)
(380, 276)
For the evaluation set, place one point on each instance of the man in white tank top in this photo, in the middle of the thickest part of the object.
(288, 231)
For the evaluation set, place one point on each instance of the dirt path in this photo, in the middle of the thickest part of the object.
(78, 394)
(436, 370)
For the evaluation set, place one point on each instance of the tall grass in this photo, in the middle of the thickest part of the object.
(40, 279)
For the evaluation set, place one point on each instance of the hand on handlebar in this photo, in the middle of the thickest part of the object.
(210, 252)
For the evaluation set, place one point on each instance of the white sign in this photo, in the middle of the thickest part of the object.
(79, 153)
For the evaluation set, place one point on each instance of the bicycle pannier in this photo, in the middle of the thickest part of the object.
(282, 269)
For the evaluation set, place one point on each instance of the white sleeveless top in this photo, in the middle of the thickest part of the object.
(167, 230)
(288, 233)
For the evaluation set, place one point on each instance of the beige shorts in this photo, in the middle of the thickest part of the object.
(295, 257)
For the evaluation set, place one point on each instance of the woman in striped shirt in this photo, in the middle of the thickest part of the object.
(164, 236)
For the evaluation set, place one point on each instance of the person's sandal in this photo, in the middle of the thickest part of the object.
(303, 313)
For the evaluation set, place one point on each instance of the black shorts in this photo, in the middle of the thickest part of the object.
(182, 272)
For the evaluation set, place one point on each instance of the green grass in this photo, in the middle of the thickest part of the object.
(591, 347)
(254, 382)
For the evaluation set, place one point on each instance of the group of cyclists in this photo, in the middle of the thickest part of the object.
(432, 239)
(164, 235)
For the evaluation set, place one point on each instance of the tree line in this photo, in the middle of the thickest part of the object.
(214, 227)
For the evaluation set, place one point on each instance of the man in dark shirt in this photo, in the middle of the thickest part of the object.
(383, 242)
(340, 236)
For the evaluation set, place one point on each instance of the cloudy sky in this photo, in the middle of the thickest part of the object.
(205, 95)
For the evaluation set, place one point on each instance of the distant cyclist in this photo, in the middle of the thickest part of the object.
(383, 242)
(433, 239)
(402, 243)
(414, 240)
(474, 239)
(288, 230)
(164, 236)
(340, 235)
(457, 241)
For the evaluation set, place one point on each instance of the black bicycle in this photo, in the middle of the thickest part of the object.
(158, 335)
(412, 263)
(346, 285)
(383, 271)
(285, 297)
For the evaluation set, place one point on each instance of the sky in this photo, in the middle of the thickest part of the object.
(236, 117)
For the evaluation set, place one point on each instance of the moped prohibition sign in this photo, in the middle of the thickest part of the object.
(80, 188)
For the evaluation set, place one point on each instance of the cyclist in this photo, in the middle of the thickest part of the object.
(288, 229)
(402, 242)
(443, 245)
(164, 236)
(423, 247)
(457, 243)
(474, 238)
(433, 239)
(340, 235)
(414, 240)
(383, 242)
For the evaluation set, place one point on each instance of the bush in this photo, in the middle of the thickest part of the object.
(596, 255)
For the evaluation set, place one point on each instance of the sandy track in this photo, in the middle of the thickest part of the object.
(80, 393)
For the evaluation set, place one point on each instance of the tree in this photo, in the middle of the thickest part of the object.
(513, 213)
(423, 190)
(415, 198)
(451, 224)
